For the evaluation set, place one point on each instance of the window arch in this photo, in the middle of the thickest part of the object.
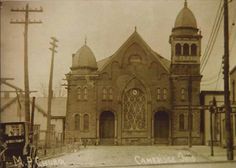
(86, 122)
(77, 122)
(79, 93)
(164, 94)
(110, 94)
(135, 59)
(135, 109)
(186, 49)
(181, 122)
(193, 49)
(158, 94)
(178, 49)
(104, 93)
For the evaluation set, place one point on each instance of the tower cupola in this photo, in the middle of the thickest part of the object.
(84, 59)
(185, 38)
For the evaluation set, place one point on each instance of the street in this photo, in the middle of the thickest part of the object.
(138, 156)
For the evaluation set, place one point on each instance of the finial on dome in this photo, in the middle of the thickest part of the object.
(135, 28)
(85, 40)
(185, 3)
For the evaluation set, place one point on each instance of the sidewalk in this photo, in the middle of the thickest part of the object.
(205, 151)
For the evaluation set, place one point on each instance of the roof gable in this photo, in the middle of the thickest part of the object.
(135, 38)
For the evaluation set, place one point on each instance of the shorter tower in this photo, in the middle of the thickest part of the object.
(81, 92)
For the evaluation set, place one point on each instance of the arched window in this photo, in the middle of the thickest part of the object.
(134, 107)
(86, 122)
(110, 94)
(182, 94)
(186, 49)
(181, 122)
(135, 59)
(193, 49)
(158, 94)
(104, 93)
(164, 94)
(79, 93)
(77, 122)
(85, 93)
(178, 49)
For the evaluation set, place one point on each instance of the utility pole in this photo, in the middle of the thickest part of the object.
(190, 110)
(50, 91)
(32, 121)
(212, 109)
(229, 136)
(26, 23)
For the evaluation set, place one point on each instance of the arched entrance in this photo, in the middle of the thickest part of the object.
(161, 127)
(107, 127)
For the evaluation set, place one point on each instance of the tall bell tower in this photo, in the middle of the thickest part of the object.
(185, 41)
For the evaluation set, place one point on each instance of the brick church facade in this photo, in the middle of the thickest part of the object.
(137, 96)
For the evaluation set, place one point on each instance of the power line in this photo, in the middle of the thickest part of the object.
(209, 79)
(212, 38)
(210, 83)
(219, 75)
(213, 29)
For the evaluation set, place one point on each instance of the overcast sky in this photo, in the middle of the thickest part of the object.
(107, 25)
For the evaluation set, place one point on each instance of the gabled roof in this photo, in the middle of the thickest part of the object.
(58, 105)
(164, 62)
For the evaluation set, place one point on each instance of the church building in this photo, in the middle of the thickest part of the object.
(136, 96)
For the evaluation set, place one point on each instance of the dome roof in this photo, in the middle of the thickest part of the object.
(186, 18)
(84, 58)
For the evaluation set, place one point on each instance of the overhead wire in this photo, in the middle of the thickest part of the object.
(211, 43)
(232, 44)
(212, 31)
(213, 36)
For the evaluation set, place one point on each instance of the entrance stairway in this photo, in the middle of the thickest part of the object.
(107, 141)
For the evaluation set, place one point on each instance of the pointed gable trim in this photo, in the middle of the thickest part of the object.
(106, 61)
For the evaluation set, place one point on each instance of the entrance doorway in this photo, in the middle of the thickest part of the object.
(107, 127)
(161, 127)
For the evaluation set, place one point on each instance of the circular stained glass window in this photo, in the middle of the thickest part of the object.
(135, 92)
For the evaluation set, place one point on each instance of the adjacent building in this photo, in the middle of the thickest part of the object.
(218, 118)
(12, 110)
(233, 100)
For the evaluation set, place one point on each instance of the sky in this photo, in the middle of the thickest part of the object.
(106, 24)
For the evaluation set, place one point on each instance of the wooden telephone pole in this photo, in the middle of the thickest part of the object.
(50, 91)
(26, 23)
(229, 136)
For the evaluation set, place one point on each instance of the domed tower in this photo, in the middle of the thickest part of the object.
(185, 41)
(84, 61)
(81, 93)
